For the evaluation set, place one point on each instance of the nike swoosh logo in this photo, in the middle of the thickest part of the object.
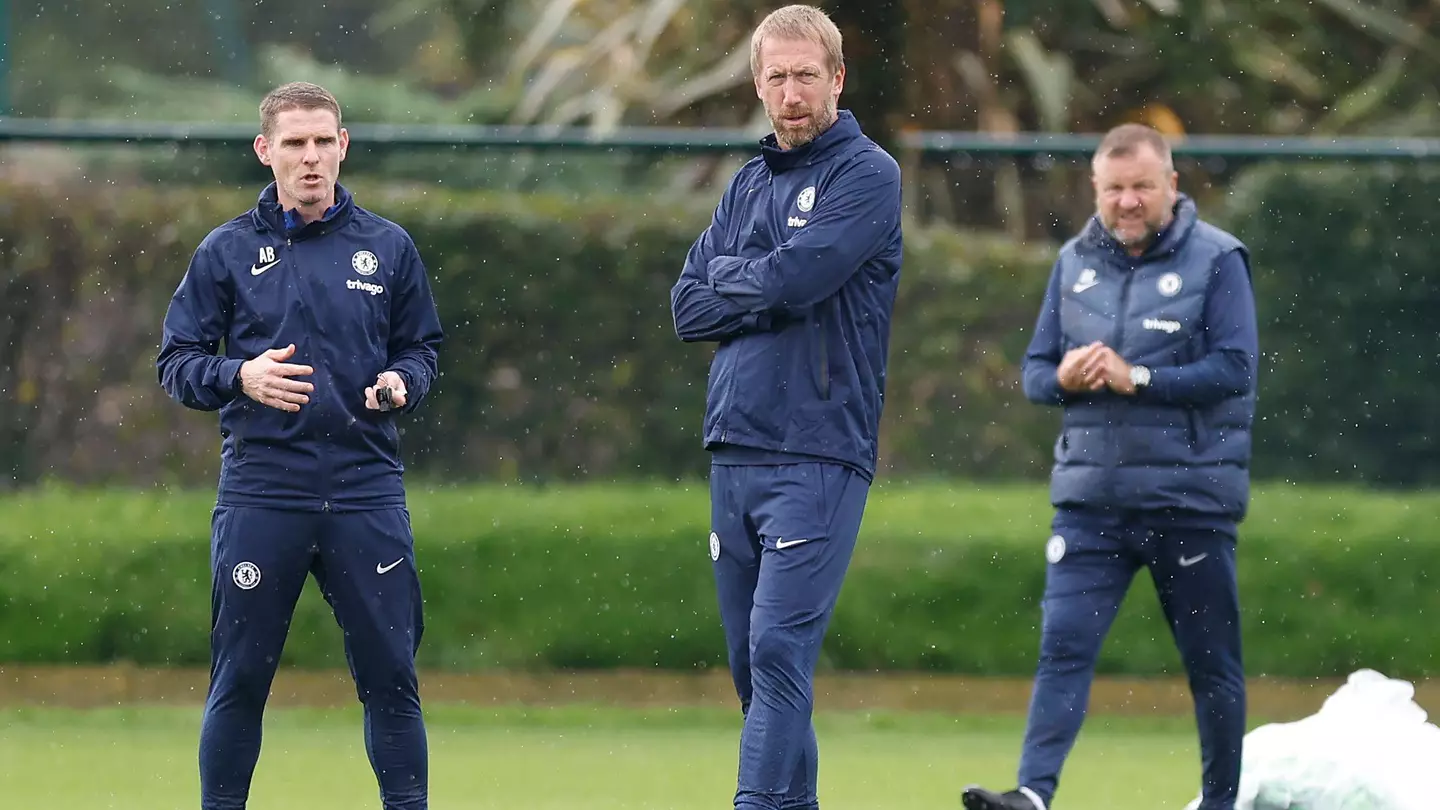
(255, 271)
(1186, 562)
(380, 569)
(1079, 288)
(779, 544)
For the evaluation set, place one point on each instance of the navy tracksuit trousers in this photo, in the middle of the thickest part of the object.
(782, 537)
(364, 563)
(1091, 566)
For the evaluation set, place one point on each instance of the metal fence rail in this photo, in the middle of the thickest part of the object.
(937, 144)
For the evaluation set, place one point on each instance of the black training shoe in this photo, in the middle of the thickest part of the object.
(978, 798)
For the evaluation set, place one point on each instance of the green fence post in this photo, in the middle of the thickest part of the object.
(230, 45)
(4, 58)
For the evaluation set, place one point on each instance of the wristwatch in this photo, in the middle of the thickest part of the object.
(1139, 376)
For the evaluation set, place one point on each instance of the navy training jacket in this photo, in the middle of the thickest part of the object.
(1185, 309)
(351, 293)
(795, 278)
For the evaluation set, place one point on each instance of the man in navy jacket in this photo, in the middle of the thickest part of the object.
(795, 279)
(1147, 340)
(329, 334)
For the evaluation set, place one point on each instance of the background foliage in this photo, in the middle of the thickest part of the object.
(946, 578)
(562, 363)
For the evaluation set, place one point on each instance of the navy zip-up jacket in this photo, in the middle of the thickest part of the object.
(351, 293)
(795, 278)
(1178, 450)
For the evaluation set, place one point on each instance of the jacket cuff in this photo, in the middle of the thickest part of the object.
(1157, 390)
(760, 321)
(409, 389)
(229, 376)
(1051, 392)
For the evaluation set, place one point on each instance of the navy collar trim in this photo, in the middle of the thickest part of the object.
(843, 131)
(1169, 240)
(269, 215)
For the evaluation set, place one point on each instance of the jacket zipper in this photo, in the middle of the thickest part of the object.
(315, 341)
(732, 363)
(1110, 416)
(824, 370)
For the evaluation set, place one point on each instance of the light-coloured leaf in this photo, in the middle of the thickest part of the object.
(576, 107)
(1257, 55)
(1169, 8)
(557, 68)
(653, 22)
(396, 15)
(1114, 12)
(551, 21)
(1384, 24)
(1367, 99)
(994, 115)
(731, 71)
(612, 38)
(1049, 77)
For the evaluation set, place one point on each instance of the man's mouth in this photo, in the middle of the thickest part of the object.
(311, 178)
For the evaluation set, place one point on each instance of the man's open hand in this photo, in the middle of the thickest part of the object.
(267, 379)
(391, 380)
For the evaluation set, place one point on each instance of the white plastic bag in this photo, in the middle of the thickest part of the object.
(1368, 748)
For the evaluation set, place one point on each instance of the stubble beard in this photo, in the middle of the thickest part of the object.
(820, 120)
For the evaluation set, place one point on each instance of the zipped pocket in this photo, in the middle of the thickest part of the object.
(1197, 430)
(822, 370)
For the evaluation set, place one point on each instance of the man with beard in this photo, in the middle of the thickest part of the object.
(1147, 340)
(795, 279)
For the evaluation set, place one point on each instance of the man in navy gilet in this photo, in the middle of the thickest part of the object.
(794, 279)
(1147, 340)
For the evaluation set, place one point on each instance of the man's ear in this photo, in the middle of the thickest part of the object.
(262, 149)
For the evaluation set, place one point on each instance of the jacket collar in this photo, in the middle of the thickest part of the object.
(1170, 239)
(269, 216)
(843, 131)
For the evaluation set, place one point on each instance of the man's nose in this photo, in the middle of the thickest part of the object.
(792, 93)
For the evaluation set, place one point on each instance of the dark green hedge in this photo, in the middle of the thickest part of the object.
(944, 579)
(562, 364)
(1348, 290)
(561, 360)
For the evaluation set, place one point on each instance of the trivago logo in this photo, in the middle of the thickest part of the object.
(356, 284)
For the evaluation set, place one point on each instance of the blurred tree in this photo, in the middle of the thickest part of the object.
(1290, 67)
(1283, 66)
(874, 35)
(1213, 66)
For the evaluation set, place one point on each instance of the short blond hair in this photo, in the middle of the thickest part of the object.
(295, 96)
(1124, 140)
(798, 22)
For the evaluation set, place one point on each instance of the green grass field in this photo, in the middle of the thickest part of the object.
(575, 757)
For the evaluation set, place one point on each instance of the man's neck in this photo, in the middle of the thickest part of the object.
(1136, 251)
(311, 213)
(308, 213)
